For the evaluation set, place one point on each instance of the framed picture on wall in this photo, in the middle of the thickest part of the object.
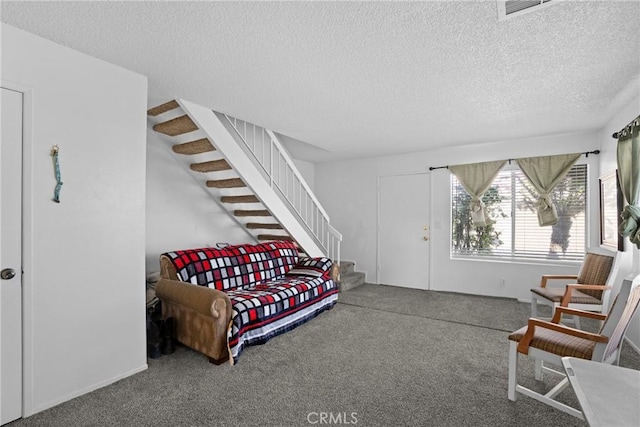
(611, 205)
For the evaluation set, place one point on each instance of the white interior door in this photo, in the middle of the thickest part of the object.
(403, 230)
(11, 256)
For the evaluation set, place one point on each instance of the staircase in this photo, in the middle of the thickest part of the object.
(246, 170)
(349, 279)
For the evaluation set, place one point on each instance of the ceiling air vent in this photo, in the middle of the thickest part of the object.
(511, 8)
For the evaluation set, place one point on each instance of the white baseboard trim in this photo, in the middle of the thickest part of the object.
(83, 391)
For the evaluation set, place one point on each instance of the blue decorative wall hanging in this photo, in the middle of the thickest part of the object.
(56, 167)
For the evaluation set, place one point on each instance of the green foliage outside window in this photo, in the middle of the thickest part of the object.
(468, 238)
(512, 201)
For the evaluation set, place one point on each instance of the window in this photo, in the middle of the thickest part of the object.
(515, 234)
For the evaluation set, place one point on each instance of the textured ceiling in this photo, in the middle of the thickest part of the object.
(360, 79)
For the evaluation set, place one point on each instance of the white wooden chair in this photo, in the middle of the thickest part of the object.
(590, 291)
(550, 341)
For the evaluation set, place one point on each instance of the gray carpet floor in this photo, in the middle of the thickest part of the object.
(383, 356)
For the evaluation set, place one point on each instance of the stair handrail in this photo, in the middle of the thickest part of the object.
(285, 154)
(332, 243)
(335, 239)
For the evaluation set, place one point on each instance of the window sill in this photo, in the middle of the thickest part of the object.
(520, 261)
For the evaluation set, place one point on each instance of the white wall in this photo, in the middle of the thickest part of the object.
(349, 193)
(307, 170)
(84, 304)
(180, 214)
(608, 163)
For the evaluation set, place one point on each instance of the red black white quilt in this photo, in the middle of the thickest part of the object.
(266, 310)
(271, 291)
(234, 266)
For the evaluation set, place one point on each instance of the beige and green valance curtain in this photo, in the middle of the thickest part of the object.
(476, 178)
(545, 173)
(629, 174)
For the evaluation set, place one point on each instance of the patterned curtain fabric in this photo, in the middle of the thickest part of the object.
(629, 174)
(545, 173)
(476, 178)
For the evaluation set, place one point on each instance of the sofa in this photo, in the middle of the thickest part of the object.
(224, 299)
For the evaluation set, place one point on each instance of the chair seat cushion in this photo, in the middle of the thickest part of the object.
(556, 294)
(557, 342)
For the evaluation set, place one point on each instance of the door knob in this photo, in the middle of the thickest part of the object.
(425, 238)
(7, 274)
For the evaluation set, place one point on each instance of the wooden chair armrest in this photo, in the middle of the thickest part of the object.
(575, 312)
(525, 341)
(546, 277)
(567, 292)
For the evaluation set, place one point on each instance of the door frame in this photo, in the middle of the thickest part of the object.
(378, 225)
(27, 243)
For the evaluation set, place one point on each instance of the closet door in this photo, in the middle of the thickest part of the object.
(11, 256)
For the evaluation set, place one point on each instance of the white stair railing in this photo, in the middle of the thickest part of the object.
(284, 177)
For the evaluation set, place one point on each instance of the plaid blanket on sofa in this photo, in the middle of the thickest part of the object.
(234, 266)
(266, 310)
(270, 289)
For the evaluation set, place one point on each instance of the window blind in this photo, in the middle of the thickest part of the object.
(511, 202)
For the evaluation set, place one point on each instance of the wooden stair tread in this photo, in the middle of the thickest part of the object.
(194, 147)
(226, 183)
(266, 226)
(177, 126)
(241, 212)
(183, 125)
(167, 106)
(211, 166)
(265, 237)
(240, 199)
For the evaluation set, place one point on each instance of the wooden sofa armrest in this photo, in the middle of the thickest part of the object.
(525, 341)
(202, 316)
(566, 298)
(575, 312)
(547, 277)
